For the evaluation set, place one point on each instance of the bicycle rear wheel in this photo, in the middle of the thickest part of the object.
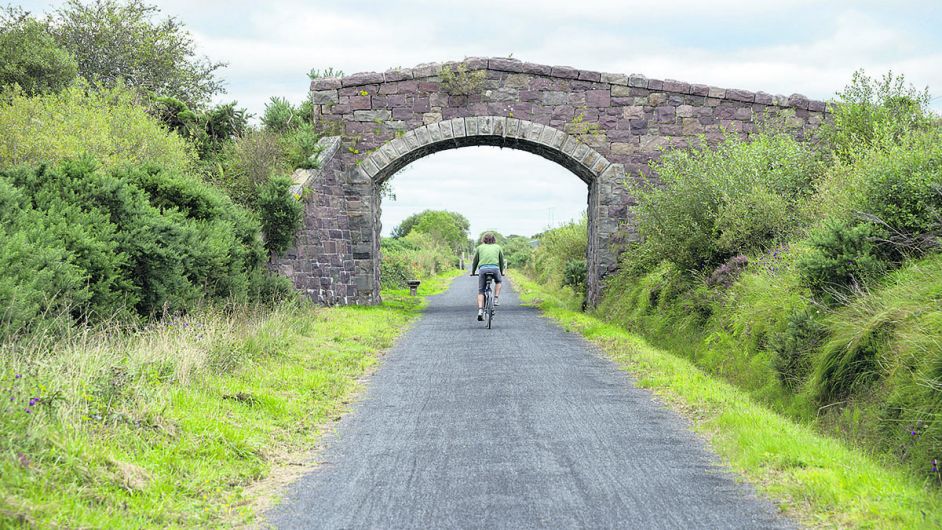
(490, 310)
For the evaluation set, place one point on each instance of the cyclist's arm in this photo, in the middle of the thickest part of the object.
(474, 264)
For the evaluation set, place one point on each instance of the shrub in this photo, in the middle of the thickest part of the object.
(870, 112)
(710, 205)
(462, 82)
(841, 258)
(726, 274)
(106, 124)
(30, 57)
(574, 275)
(280, 214)
(795, 346)
(415, 256)
(92, 244)
(517, 251)
(558, 248)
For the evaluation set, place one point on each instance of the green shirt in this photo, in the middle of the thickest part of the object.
(488, 254)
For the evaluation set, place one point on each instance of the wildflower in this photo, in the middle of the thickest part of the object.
(29, 411)
(33, 401)
(24, 460)
(19, 376)
(935, 465)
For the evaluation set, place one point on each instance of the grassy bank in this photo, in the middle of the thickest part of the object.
(167, 426)
(816, 480)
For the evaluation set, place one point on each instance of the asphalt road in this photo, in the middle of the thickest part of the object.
(521, 426)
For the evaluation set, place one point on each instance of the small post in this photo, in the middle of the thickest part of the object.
(413, 286)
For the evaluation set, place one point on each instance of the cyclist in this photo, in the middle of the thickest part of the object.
(488, 260)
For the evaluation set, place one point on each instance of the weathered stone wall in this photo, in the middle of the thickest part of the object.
(603, 127)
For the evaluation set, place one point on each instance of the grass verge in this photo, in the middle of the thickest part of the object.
(171, 425)
(816, 480)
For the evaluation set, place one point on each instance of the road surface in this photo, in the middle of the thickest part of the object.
(521, 426)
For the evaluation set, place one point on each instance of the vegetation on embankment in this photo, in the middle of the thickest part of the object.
(166, 425)
(807, 274)
(817, 480)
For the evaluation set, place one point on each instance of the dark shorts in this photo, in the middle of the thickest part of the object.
(484, 272)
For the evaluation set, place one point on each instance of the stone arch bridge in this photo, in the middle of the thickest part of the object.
(605, 128)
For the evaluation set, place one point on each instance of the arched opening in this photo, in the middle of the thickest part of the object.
(550, 143)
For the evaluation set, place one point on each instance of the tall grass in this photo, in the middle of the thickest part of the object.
(166, 425)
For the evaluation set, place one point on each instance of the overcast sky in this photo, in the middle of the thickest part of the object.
(786, 46)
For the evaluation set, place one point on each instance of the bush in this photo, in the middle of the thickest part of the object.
(415, 256)
(842, 257)
(90, 244)
(710, 205)
(558, 248)
(30, 57)
(574, 275)
(795, 346)
(871, 112)
(517, 251)
(106, 124)
(281, 214)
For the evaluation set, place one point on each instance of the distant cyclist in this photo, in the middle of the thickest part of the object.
(488, 261)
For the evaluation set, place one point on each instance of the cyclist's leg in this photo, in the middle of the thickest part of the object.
(497, 282)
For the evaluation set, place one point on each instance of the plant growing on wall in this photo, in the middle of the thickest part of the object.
(460, 82)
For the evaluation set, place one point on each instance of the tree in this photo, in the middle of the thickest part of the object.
(30, 57)
(112, 40)
(449, 227)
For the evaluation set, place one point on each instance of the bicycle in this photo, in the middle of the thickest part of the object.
(488, 299)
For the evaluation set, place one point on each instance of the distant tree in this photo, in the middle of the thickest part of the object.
(449, 227)
(30, 57)
(114, 40)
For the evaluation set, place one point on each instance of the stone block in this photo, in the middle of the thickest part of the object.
(799, 101)
(598, 98)
(362, 78)
(763, 98)
(686, 111)
(431, 117)
(325, 97)
(327, 83)
(740, 95)
(615, 79)
(716, 92)
(672, 85)
(588, 75)
(621, 91)
(372, 115)
(565, 72)
(699, 90)
(360, 103)
(459, 127)
(555, 98)
(397, 75)
(622, 148)
(637, 81)
(633, 112)
(817, 106)
(656, 99)
(426, 70)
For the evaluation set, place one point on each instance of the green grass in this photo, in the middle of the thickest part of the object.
(171, 425)
(819, 481)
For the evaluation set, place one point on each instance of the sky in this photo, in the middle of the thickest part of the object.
(786, 46)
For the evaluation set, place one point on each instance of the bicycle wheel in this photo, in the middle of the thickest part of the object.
(490, 310)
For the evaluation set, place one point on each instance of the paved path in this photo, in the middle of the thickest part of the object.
(521, 426)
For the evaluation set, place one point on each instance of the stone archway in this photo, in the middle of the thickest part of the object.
(605, 128)
(599, 174)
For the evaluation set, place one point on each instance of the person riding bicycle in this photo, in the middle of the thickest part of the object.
(488, 261)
